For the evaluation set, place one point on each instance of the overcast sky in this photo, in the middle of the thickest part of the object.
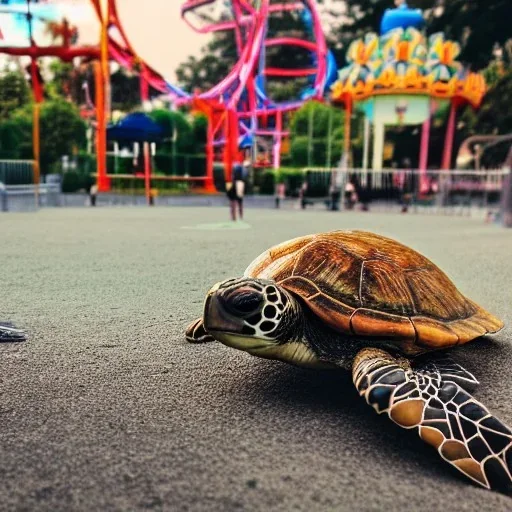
(154, 28)
(158, 33)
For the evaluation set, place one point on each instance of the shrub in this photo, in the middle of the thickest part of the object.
(73, 181)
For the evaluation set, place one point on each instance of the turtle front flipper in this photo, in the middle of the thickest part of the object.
(430, 398)
(196, 333)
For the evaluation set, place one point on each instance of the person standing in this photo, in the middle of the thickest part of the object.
(93, 192)
(235, 192)
(350, 195)
(280, 193)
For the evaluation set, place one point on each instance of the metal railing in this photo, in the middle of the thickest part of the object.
(17, 172)
(18, 198)
(432, 191)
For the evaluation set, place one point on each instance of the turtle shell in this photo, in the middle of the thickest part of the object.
(368, 285)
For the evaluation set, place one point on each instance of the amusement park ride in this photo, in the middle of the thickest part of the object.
(239, 109)
(401, 78)
(398, 77)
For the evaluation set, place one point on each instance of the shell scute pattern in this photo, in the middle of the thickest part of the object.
(365, 284)
(324, 263)
(384, 286)
(436, 296)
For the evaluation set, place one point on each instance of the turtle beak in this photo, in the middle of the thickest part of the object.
(216, 318)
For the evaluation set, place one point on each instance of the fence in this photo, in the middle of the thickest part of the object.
(17, 172)
(440, 191)
(22, 198)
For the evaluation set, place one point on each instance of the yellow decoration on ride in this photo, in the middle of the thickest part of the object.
(403, 62)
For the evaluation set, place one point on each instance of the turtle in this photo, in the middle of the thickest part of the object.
(366, 303)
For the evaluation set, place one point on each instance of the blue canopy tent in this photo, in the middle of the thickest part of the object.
(138, 128)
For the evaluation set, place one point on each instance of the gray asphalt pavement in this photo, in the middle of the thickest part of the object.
(107, 407)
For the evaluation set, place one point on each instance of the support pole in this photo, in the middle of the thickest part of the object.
(348, 135)
(101, 131)
(36, 138)
(104, 56)
(37, 89)
(209, 183)
(227, 158)
(366, 149)
(328, 163)
(278, 139)
(310, 134)
(101, 74)
(378, 145)
(448, 141)
(424, 147)
(147, 172)
(144, 85)
(230, 143)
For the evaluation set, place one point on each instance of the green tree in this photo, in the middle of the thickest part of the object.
(479, 25)
(14, 93)
(314, 119)
(11, 137)
(199, 132)
(62, 131)
(217, 59)
(125, 90)
(495, 115)
(319, 113)
(176, 129)
(61, 83)
(67, 82)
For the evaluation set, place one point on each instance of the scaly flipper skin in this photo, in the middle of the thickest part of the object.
(9, 333)
(196, 333)
(430, 397)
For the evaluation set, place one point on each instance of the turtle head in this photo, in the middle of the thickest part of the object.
(250, 314)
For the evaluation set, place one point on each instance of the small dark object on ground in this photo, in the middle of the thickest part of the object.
(10, 333)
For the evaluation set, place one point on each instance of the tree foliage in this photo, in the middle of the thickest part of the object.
(325, 126)
(125, 90)
(479, 25)
(215, 62)
(495, 114)
(62, 133)
(176, 128)
(14, 93)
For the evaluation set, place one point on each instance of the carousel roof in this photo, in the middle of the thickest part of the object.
(404, 61)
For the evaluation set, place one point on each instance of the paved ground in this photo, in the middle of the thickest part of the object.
(108, 408)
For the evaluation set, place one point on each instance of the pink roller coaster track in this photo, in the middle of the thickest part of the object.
(241, 95)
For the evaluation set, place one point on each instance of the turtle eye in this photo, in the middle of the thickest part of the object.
(243, 301)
